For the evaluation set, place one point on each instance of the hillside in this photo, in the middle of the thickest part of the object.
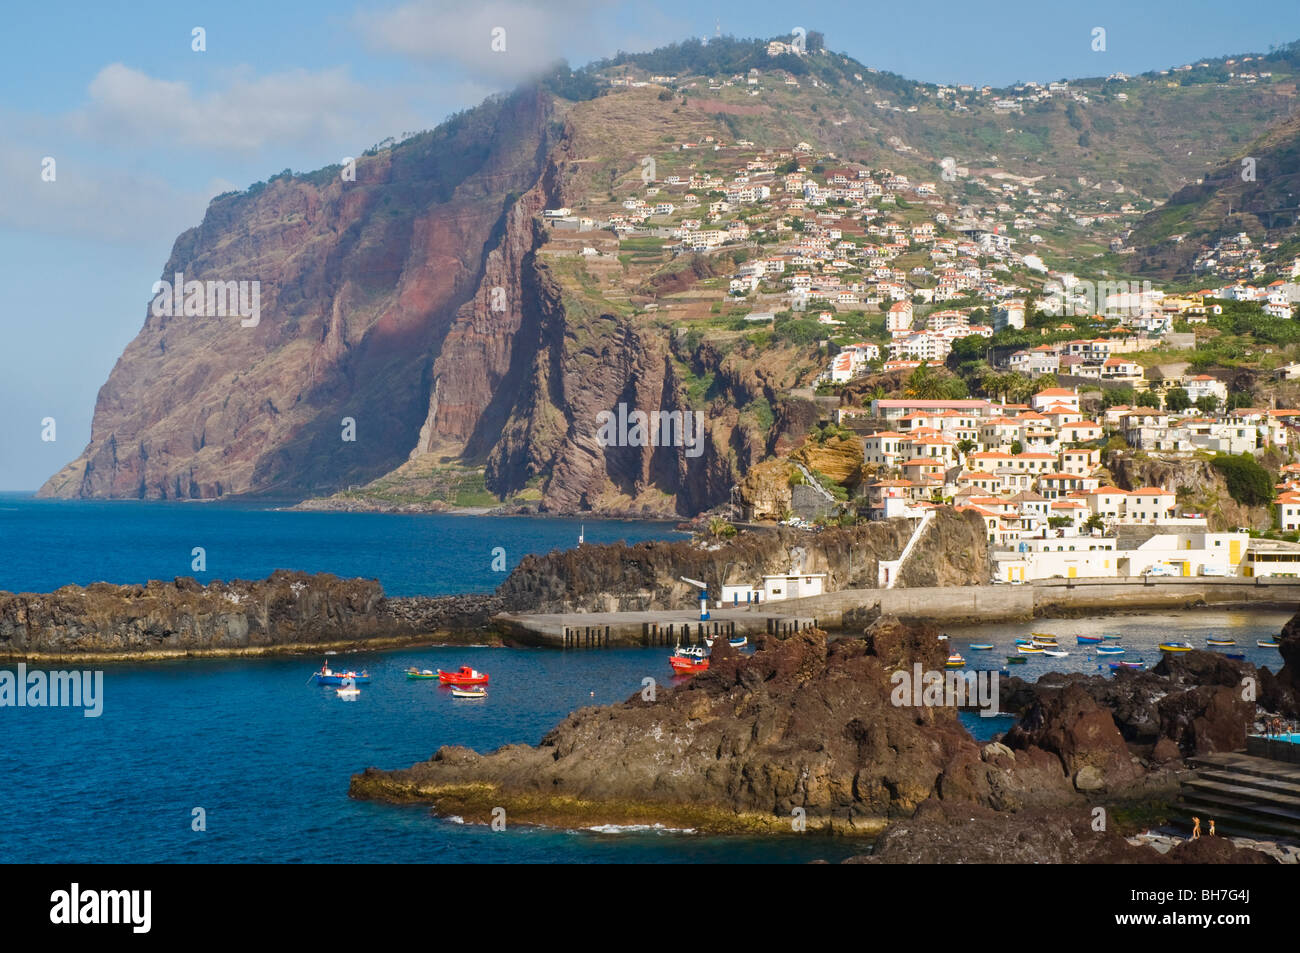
(1256, 193)
(431, 336)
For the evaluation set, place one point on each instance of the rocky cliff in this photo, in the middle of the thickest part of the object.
(425, 312)
(287, 611)
(953, 552)
(361, 284)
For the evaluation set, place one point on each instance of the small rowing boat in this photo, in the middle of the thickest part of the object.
(1213, 641)
(1175, 646)
(1017, 660)
(1112, 638)
(1088, 639)
(1268, 643)
(421, 673)
(327, 676)
(955, 661)
(981, 646)
(1119, 665)
(739, 643)
(1109, 650)
(1042, 636)
(1053, 654)
(1029, 649)
(458, 692)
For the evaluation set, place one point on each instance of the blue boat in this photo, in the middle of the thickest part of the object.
(1112, 637)
(1109, 650)
(1088, 639)
(327, 676)
(1119, 665)
(739, 643)
(981, 646)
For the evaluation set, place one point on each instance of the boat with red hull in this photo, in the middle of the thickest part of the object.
(466, 676)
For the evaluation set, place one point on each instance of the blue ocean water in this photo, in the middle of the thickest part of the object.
(267, 755)
(45, 544)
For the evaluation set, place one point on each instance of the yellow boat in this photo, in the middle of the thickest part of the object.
(1175, 647)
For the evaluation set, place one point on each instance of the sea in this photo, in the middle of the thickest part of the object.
(245, 760)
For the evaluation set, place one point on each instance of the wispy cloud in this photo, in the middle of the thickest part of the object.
(247, 113)
(462, 33)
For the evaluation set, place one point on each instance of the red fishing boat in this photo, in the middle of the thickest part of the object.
(466, 676)
(689, 661)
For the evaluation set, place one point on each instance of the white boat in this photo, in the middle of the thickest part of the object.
(691, 651)
(1050, 653)
(457, 692)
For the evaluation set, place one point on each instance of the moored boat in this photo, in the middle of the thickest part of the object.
(1268, 643)
(1042, 637)
(955, 661)
(739, 643)
(327, 676)
(1111, 638)
(1109, 650)
(466, 676)
(1017, 660)
(686, 665)
(1175, 646)
(981, 646)
(458, 692)
(1029, 649)
(1051, 653)
(1088, 639)
(421, 673)
(1119, 665)
(1213, 641)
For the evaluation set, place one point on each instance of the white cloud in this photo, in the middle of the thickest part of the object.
(461, 33)
(249, 112)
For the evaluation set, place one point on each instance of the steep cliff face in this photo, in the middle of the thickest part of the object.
(361, 283)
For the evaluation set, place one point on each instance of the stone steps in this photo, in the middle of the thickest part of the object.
(1244, 795)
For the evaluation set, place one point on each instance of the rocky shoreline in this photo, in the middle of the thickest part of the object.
(805, 729)
(289, 612)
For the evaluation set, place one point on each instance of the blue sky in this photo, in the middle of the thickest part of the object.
(144, 129)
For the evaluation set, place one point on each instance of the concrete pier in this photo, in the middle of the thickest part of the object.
(953, 604)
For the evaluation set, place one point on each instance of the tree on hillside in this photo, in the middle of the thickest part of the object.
(1148, 398)
(1177, 400)
(1207, 404)
(1248, 482)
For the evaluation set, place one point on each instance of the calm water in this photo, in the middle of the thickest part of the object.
(268, 756)
(47, 544)
(1140, 637)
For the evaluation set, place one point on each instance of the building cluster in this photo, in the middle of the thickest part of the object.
(1032, 473)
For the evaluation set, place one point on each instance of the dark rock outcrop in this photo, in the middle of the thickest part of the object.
(800, 726)
(288, 610)
(945, 833)
(953, 552)
(1188, 704)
